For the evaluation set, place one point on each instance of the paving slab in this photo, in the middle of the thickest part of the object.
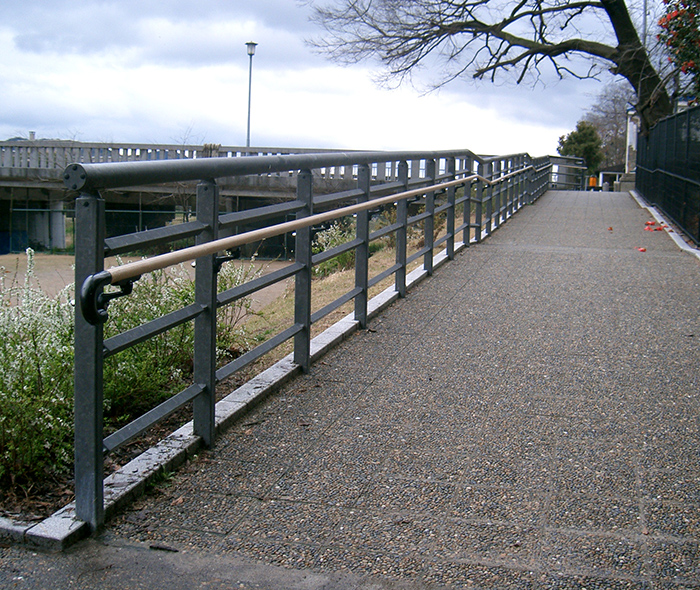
(527, 418)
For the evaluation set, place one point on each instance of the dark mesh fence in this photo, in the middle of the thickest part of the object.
(668, 169)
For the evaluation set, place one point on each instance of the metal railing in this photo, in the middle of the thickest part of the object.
(473, 195)
(668, 169)
(55, 155)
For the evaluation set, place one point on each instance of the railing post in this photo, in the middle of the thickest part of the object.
(451, 191)
(302, 280)
(488, 174)
(467, 212)
(512, 187)
(429, 222)
(401, 238)
(88, 365)
(205, 323)
(478, 202)
(496, 194)
(362, 250)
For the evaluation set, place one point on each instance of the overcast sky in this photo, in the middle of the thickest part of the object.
(176, 71)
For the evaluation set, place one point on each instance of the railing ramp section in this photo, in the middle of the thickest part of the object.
(469, 195)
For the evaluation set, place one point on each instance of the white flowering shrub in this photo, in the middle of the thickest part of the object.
(36, 380)
(36, 363)
(337, 234)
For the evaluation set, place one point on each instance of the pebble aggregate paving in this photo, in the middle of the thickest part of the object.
(527, 418)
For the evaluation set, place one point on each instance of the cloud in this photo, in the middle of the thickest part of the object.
(168, 72)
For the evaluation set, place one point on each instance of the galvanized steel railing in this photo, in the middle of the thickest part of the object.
(489, 190)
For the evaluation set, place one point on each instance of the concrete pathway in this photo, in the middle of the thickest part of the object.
(527, 418)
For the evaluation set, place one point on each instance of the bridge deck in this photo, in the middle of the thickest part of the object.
(526, 418)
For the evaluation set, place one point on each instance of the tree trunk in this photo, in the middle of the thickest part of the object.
(632, 62)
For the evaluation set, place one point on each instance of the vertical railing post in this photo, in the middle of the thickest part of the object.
(429, 222)
(467, 212)
(478, 202)
(451, 191)
(401, 232)
(495, 194)
(88, 365)
(512, 187)
(205, 323)
(362, 250)
(488, 174)
(302, 280)
(468, 223)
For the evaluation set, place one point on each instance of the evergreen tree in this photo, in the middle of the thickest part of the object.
(584, 143)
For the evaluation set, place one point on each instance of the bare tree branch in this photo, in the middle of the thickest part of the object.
(484, 38)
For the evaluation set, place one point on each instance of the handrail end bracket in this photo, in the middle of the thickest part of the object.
(94, 302)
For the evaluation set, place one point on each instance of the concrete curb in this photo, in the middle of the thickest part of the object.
(656, 214)
(62, 529)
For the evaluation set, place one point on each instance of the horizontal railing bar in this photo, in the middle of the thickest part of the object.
(442, 208)
(257, 352)
(671, 174)
(442, 240)
(351, 194)
(90, 177)
(465, 226)
(417, 255)
(129, 242)
(259, 213)
(139, 267)
(388, 229)
(419, 217)
(384, 274)
(126, 272)
(226, 297)
(460, 200)
(324, 311)
(142, 333)
(386, 187)
(145, 421)
(335, 251)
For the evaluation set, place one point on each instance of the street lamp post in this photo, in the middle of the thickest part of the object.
(251, 52)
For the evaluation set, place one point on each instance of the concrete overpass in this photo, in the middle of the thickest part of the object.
(36, 210)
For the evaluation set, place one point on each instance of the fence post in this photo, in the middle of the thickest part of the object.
(362, 250)
(205, 323)
(401, 232)
(488, 174)
(495, 195)
(467, 213)
(516, 184)
(88, 365)
(302, 280)
(429, 222)
(451, 191)
(478, 202)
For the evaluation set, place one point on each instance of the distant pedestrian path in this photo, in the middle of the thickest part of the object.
(529, 418)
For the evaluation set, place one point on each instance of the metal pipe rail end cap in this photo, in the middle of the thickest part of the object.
(74, 177)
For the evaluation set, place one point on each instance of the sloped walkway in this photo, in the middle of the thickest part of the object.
(528, 418)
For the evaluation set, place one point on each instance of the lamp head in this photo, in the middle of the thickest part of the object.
(251, 48)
